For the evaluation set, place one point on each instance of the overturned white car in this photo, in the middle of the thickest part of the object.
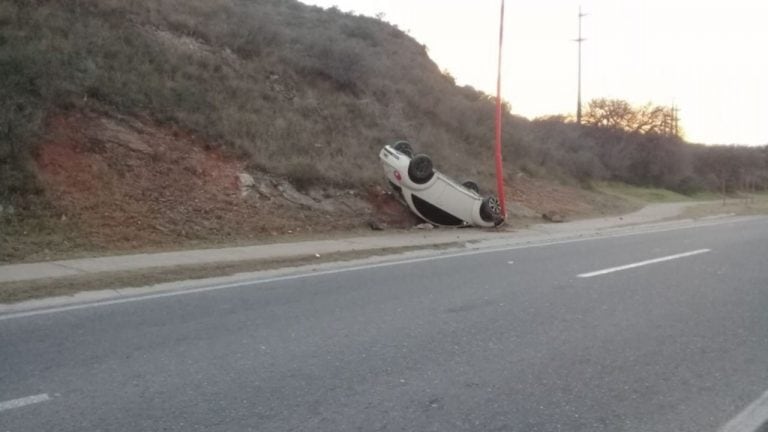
(433, 196)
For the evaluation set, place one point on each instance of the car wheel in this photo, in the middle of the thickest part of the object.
(420, 169)
(490, 210)
(404, 147)
(471, 186)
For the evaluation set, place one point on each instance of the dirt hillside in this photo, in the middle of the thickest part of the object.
(117, 183)
(144, 125)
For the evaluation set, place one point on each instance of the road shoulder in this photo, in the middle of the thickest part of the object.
(109, 275)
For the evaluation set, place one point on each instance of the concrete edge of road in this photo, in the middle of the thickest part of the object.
(753, 418)
(427, 253)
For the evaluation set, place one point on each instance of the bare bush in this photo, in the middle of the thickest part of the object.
(619, 114)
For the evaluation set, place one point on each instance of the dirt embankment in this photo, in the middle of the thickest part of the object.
(128, 184)
(531, 198)
(125, 184)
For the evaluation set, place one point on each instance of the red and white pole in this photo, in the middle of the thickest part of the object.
(499, 162)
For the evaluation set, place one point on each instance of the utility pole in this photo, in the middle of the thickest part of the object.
(578, 97)
(499, 162)
(675, 120)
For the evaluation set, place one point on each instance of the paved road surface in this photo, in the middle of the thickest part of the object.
(509, 340)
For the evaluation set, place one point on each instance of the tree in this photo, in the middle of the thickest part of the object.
(619, 114)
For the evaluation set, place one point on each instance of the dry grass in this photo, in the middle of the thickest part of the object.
(640, 194)
(302, 92)
(286, 83)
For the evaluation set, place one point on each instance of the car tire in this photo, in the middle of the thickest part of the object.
(471, 186)
(490, 210)
(420, 169)
(404, 147)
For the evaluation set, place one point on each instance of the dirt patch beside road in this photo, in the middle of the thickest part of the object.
(746, 205)
(543, 196)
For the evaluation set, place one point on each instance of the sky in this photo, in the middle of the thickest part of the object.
(702, 56)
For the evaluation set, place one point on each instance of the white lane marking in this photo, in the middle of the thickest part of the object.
(18, 403)
(511, 262)
(751, 419)
(597, 236)
(643, 263)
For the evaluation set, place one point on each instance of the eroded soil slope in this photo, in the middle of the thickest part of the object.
(129, 184)
(117, 184)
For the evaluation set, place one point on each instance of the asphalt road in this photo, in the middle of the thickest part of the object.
(501, 341)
